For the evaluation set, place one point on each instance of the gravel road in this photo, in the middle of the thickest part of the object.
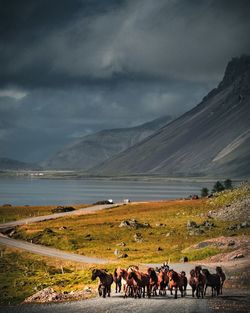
(118, 304)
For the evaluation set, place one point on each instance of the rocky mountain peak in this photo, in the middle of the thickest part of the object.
(238, 73)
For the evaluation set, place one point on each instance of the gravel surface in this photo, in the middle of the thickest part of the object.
(118, 304)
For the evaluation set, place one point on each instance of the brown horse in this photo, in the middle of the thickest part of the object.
(129, 284)
(222, 277)
(200, 281)
(153, 281)
(175, 282)
(192, 282)
(142, 280)
(118, 281)
(163, 281)
(185, 282)
(105, 282)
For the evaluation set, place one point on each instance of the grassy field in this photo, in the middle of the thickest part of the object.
(99, 235)
(12, 213)
(29, 273)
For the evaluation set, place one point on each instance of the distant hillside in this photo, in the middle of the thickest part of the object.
(10, 164)
(93, 149)
(213, 139)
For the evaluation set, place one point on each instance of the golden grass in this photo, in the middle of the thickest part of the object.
(13, 213)
(99, 234)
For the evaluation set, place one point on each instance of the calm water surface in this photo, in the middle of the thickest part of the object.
(33, 191)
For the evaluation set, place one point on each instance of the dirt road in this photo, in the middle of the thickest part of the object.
(117, 304)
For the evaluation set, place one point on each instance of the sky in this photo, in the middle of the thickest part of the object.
(69, 68)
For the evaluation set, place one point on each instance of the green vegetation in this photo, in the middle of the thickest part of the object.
(204, 192)
(28, 273)
(229, 196)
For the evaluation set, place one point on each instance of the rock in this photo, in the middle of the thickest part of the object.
(138, 237)
(191, 224)
(123, 256)
(203, 244)
(159, 249)
(122, 244)
(245, 224)
(133, 224)
(196, 232)
(237, 256)
(62, 209)
(63, 228)
(207, 224)
(160, 225)
(231, 243)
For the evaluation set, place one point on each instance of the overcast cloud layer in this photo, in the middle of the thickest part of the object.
(69, 68)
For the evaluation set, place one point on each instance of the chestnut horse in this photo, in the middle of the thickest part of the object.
(154, 283)
(129, 284)
(105, 282)
(118, 281)
(142, 280)
(192, 282)
(222, 277)
(176, 282)
(163, 281)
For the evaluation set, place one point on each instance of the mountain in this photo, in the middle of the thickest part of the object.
(93, 149)
(10, 164)
(212, 139)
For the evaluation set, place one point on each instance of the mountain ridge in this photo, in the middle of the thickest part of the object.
(188, 145)
(93, 149)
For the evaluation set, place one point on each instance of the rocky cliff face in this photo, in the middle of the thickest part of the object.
(94, 149)
(213, 139)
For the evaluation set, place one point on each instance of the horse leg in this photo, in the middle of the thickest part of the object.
(181, 291)
(175, 293)
(205, 290)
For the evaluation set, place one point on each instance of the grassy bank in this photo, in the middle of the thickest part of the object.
(12, 213)
(99, 234)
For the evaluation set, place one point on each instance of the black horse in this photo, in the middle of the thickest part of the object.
(213, 281)
(105, 282)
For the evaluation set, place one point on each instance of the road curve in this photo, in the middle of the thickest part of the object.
(47, 251)
(50, 252)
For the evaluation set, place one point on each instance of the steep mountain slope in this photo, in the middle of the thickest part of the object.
(10, 164)
(94, 149)
(211, 139)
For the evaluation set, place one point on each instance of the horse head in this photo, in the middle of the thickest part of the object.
(218, 270)
(95, 274)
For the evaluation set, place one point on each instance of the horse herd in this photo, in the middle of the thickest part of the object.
(135, 283)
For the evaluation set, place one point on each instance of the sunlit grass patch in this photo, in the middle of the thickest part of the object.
(12, 213)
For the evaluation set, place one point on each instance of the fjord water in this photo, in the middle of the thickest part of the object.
(32, 191)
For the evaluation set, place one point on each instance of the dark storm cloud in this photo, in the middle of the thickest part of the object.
(82, 42)
(69, 68)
